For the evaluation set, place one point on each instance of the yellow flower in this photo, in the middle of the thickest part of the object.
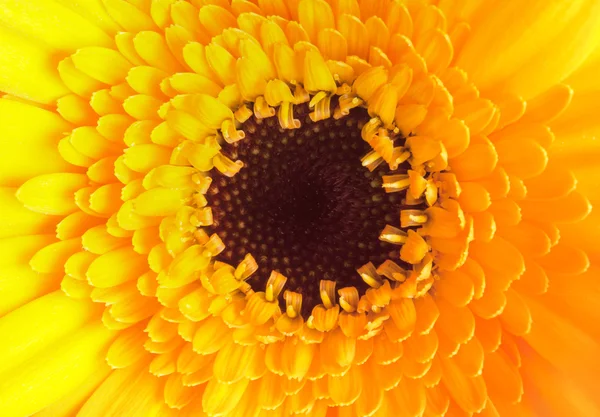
(299, 207)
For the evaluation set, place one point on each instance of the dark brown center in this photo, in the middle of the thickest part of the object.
(303, 204)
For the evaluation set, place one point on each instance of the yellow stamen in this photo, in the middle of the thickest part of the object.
(369, 274)
(275, 285)
(411, 218)
(393, 235)
(327, 293)
(348, 299)
(246, 268)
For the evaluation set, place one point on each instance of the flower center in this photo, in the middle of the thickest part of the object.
(303, 205)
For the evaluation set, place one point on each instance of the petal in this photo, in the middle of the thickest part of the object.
(29, 149)
(70, 404)
(52, 23)
(19, 284)
(52, 194)
(37, 325)
(131, 391)
(468, 392)
(221, 398)
(502, 378)
(79, 357)
(127, 349)
(499, 50)
(17, 220)
(53, 257)
(561, 342)
(28, 69)
(102, 273)
(102, 64)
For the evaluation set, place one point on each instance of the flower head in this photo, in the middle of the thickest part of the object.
(318, 208)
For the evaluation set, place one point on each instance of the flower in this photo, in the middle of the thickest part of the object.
(318, 208)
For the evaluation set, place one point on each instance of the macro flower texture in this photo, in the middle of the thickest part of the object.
(278, 208)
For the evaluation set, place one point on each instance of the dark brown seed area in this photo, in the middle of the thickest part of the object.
(303, 205)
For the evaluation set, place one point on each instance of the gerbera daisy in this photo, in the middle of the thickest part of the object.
(304, 207)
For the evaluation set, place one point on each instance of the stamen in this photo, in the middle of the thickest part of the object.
(395, 183)
(243, 114)
(202, 217)
(399, 156)
(286, 116)
(327, 292)
(322, 109)
(213, 246)
(370, 129)
(349, 299)
(246, 268)
(230, 133)
(262, 110)
(393, 235)
(226, 166)
(431, 193)
(200, 200)
(201, 236)
(301, 95)
(274, 286)
(369, 275)
(393, 271)
(293, 303)
(411, 218)
(291, 322)
(346, 103)
(202, 182)
(371, 161)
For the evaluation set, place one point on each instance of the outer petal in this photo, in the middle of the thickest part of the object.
(52, 23)
(28, 69)
(29, 149)
(74, 359)
(498, 53)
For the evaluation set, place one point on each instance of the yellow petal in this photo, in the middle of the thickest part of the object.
(215, 19)
(128, 16)
(52, 193)
(28, 69)
(498, 53)
(221, 398)
(18, 220)
(53, 257)
(76, 110)
(127, 348)
(79, 356)
(51, 23)
(211, 335)
(29, 149)
(314, 16)
(102, 64)
(316, 74)
(232, 361)
(143, 158)
(356, 34)
(31, 328)
(469, 393)
(132, 391)
(19, 284)
(345, 389)
(160, 201)
(152, 48)
(102, 273)
(70, 404)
